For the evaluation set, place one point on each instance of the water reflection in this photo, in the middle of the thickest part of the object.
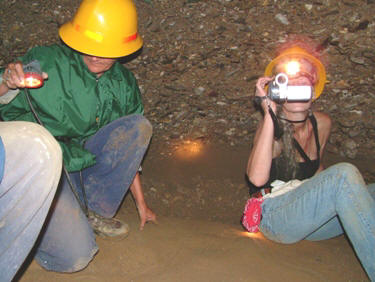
(189, 149)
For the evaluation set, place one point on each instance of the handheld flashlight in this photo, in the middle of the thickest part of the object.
(33, 75)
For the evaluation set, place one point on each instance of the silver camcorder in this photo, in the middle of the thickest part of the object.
(280, 92)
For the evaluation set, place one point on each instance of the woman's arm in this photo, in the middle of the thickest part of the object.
(260, 159)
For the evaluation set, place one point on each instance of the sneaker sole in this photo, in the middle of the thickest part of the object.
(112, 238)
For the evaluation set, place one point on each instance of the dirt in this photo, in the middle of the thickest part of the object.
(196, 73)
(191, 250)
(199, 196)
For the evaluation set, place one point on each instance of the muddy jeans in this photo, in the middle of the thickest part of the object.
(331, 202)
(68, 244)
(33, 161)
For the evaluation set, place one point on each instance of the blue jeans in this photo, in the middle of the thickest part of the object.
(333, 201)
(68, 244)
(32, 170)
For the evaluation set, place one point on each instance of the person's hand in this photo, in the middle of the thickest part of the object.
(146, 215)
(14, 77)
(261, 92)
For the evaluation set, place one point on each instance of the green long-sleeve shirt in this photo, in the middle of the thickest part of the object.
(73, 104)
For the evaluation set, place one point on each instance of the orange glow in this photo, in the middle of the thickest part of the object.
(258, 235)
(292, 68)
(33, 80)
(189, 149)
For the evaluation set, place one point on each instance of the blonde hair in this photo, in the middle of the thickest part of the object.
(288, 158)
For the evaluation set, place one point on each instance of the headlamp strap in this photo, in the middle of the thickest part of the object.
(278, 131)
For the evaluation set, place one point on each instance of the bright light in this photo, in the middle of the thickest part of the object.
(189, 149)
(33, 80)
(101, 19)
(258, 235)
(292, 67)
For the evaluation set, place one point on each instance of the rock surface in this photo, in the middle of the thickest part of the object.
(200, 61)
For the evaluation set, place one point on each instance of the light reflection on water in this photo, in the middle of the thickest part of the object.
(189, 149)
(258, 235)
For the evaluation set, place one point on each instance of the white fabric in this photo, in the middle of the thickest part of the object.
(280, 187)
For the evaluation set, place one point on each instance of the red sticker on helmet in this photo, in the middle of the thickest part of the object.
(130, 38)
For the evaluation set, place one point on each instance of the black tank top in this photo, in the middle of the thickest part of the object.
(305, 169)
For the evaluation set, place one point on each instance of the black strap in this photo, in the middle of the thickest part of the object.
(83, 205)
(278, 131)
(301, 151)
(315, 130)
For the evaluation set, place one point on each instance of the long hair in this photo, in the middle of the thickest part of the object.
(287, 163)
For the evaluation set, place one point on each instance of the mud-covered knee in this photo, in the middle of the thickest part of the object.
(35, 141)
(46, 146)
(346, 168)
(349, 171)
(145, 129)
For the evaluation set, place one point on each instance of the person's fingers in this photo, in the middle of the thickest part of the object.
(149, 217)
(7, 79)
(261, 84)
(142, 225)
(153, 219)
(14, 75)
(263, 81)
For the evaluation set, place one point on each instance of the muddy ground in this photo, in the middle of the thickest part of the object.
(198, 236)
(199, 196)
(197, 72)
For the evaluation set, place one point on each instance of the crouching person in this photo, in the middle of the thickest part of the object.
(92, 105)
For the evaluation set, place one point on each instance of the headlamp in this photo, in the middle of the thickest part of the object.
(292, 68)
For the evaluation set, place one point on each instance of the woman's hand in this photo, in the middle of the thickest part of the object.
(261, 92)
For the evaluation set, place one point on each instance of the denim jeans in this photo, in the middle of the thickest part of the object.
(68, 244)
(32, 171)
(334, 201)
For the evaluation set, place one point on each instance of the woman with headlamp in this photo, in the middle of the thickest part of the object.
(294, 197)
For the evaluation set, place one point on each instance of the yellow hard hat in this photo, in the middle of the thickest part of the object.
(103, 28)
(295, 53)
